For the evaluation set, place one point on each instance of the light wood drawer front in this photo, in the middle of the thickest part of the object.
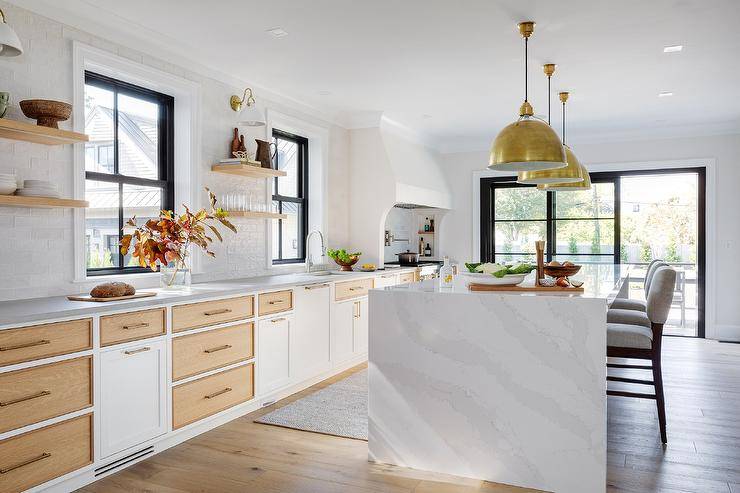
(42, 341)
(406, 278)
(279, 301)
(352, 289)
(207, 313)
(35, 394)
(131, 326)
(37, 456)
(197, 353)
(209, 395)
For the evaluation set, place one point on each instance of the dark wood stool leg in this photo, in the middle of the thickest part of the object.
(659, 398)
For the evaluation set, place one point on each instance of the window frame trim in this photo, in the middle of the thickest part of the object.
(165, 158)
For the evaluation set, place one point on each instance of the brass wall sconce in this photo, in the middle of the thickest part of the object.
(248, 97)
(247, 106)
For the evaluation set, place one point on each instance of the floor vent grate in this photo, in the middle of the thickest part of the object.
(124, 460)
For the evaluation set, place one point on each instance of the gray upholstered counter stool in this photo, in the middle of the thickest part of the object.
(635, 341)
(630, 304)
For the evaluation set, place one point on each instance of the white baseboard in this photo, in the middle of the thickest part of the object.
(726, 333)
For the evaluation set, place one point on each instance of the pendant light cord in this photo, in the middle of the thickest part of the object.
(563, 122)
(526, 44)
(549, 97)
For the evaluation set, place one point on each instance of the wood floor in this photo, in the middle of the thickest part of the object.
(702, 381)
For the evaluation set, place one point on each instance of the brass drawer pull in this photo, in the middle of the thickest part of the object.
(216, 394)
(6, 470)
(219, 348)
(276, 302)
(136, 351)
(26, 398)
(315, 286)
(217, 312)
(276, 320)
(388, 276)
(25, 345)
(136, 326)
(357, 288)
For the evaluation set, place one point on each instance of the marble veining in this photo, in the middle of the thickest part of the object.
(502, 387)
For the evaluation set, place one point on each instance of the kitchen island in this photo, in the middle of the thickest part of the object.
(501, 386)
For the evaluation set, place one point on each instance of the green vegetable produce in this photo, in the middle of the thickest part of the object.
(515, 269)
(472, 267)
(342, 255)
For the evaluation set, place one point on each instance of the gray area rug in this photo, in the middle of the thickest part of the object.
(339, 409)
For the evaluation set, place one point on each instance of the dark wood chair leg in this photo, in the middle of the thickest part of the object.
(659, 398)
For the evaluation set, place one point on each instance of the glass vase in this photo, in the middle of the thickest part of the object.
(174, 277)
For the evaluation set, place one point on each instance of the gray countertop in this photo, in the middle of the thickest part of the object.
(17, 312)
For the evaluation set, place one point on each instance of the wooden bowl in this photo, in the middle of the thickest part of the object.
(347, 266)
(46, 112)
(562, 270)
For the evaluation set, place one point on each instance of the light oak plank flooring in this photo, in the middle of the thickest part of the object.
(702, 384)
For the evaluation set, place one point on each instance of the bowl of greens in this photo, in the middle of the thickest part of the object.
(343, 259)
(497, 274)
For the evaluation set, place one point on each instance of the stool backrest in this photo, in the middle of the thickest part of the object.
(654, 265)
(660, 297)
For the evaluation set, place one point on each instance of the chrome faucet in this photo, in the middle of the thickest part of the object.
(309, 262)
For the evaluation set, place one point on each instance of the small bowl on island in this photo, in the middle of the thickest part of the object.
(566, 269)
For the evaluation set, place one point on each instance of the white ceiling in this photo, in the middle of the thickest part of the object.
(452, 70)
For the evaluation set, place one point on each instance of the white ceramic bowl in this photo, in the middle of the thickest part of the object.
(7, 189)
(482, 278)
(7, 176)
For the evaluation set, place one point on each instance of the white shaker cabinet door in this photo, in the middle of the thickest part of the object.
(360, 327)
(273, 353)
(310, 350)
(133, 403)
(342, 328)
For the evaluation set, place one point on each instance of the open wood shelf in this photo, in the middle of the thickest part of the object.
(425, 232)
(247, 170)
(29, 132)
(257, 215)
(47, 202)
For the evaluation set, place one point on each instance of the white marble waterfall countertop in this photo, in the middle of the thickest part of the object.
(599, 281)
(503, 386)
(14, 312)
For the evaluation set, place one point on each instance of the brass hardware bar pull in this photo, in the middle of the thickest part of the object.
(26, 398)
(315, 286)
(217, 312)
(136, 326)
(276, 302)
(136, 351)
(356, 309)
(356, 288)
(216, 394)
(25, 345)
(6, 470)
(276, 320)
(216, 349)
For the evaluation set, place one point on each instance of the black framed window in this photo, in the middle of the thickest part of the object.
(290, 197)
(129, 166)
(574, 224)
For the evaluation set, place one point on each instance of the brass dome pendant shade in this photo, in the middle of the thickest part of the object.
(572, 160)
(528, 143)
(570, 173)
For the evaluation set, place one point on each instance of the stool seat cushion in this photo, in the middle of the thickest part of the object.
(628, 304)
(631, 317)
(628, 336)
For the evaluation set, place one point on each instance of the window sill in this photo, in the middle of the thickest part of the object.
(117, 277)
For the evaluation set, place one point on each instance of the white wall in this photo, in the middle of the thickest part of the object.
(724, 150)
(37, 244)
(401, 224)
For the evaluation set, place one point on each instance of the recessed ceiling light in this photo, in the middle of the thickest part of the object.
(324, 93)
(278, 32)
(426, 116)
(665, 94)
(673, 49)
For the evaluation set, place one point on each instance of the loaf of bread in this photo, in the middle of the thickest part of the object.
(112, 290)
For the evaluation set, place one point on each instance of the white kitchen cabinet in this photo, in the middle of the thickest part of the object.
(342, 331)
(133, 387)
(310, 351)
(273, 353)
(360, 327)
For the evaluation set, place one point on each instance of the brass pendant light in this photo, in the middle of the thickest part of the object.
(571, 173)
(572, 160)
(529, 143)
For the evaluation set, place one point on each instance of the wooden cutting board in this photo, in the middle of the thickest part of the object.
(524, 289)
(87, 297)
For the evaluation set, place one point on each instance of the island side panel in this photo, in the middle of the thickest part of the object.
(505, 388)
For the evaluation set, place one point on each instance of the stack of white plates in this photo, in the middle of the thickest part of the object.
(38, 188)
(8, 185)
